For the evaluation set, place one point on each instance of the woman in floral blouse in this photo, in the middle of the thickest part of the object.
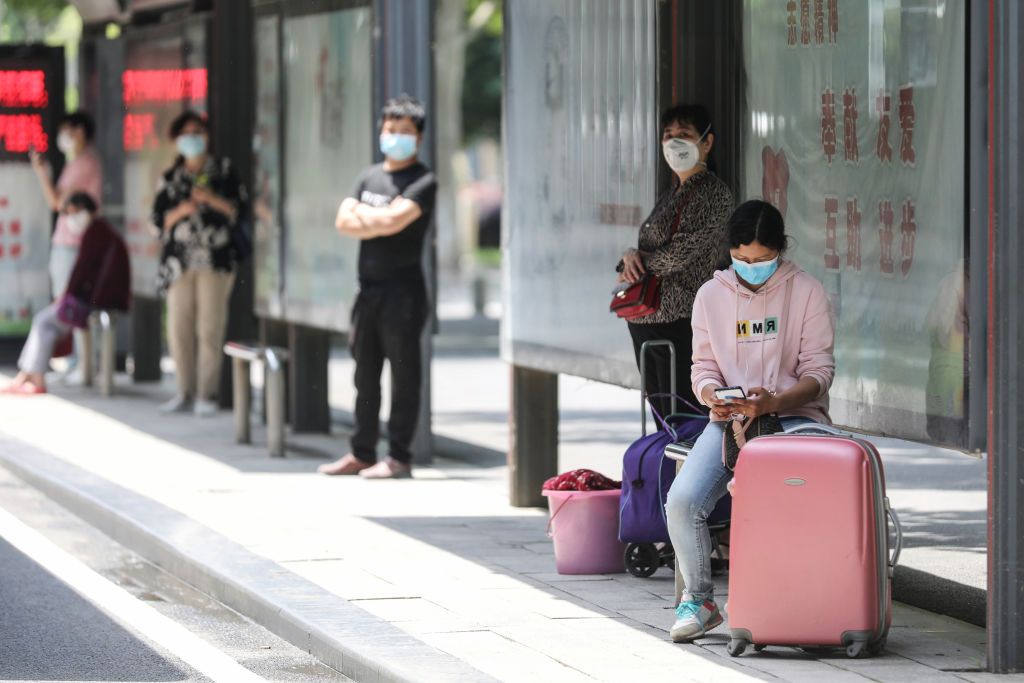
(680, 242)
(195, 211)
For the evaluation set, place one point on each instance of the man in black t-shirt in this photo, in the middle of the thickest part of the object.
(389, 210)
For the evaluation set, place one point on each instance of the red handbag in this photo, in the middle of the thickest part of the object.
(637, 300)
(643, 297)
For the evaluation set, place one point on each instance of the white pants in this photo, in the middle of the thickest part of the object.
(197, 315)
(62, 262)
(46, 331)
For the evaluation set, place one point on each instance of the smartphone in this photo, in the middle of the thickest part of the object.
(726, 393)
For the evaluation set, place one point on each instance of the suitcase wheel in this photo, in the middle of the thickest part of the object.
(760, 648)
(736, 647)
(857, 649)
(876, 648)
(642, 559)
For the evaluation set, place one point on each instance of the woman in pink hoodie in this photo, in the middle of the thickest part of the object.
(763, 325)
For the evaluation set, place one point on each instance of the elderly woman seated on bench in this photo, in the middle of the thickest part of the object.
(100, 280)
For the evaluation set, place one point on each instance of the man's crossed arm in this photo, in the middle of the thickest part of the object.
(364, 222)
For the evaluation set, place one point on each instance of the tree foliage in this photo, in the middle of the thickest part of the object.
(481, 92)
(29, 20)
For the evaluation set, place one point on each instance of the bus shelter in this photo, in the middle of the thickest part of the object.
(884, 132)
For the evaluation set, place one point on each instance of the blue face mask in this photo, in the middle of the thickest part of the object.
(756, 273)
(191, 146)
(397, 147)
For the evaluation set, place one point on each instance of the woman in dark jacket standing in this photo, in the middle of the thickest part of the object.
(680, 242)
(196, 210)
(100, 279)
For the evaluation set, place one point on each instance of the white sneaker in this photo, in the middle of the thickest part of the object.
(206, 408)
(73, 378)
(179, 404)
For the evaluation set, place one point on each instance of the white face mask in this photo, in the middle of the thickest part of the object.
(77, 222)
(682, 155)
(65, 143)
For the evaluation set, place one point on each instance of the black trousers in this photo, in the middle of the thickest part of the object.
(387, 322)
(658, 379)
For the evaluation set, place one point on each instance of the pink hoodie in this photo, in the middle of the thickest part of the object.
(736, 336)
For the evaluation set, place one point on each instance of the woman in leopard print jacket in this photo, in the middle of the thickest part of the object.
(680, 242)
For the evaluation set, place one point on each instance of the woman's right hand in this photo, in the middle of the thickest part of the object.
(719, 408)
(632, 266)
(37, 161)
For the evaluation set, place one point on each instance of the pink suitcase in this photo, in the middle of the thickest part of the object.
(810, 562)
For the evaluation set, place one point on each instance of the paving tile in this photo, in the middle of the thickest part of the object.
(404, 609)
(660, 618)
(504, 659)
(932, 651)
(351, 583)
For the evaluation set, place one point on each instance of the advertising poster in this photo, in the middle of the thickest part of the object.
(856, 134)
(31, 98)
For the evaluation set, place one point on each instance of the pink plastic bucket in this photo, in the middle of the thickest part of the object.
(585, 528)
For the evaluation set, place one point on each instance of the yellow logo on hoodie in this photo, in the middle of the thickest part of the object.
(751, 330)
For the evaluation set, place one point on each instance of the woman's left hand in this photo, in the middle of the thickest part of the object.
(759, 401)
(633, 265)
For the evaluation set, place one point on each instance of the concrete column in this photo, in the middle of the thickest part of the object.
(147, 338)
(533, 428)
(307, 390)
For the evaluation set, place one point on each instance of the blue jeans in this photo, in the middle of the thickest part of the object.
(693, 496)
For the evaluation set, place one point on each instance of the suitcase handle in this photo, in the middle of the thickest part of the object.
(899, 536)
(815, 428)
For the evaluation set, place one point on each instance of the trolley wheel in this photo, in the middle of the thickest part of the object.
(876, 648)
(642, 559)
(736, 647)
(760, 648)
(857, 649)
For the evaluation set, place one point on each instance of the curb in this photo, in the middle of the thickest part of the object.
(338, 633)
(940, 595)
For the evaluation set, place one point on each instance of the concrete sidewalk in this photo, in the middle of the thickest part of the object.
(431, 579)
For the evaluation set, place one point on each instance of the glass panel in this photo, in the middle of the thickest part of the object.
(157, 85)
(330, 135)
(856, 133)
(267, 164)
(30, 100)
(582, 177)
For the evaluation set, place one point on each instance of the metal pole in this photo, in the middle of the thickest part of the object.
(242, 398)
(88, 369)
(107, 352)
(274, 387)
(1005, 340)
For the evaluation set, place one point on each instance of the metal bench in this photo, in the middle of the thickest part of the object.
(102, 325)
(273, 360)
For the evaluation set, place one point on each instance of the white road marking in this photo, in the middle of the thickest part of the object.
(121, 605)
